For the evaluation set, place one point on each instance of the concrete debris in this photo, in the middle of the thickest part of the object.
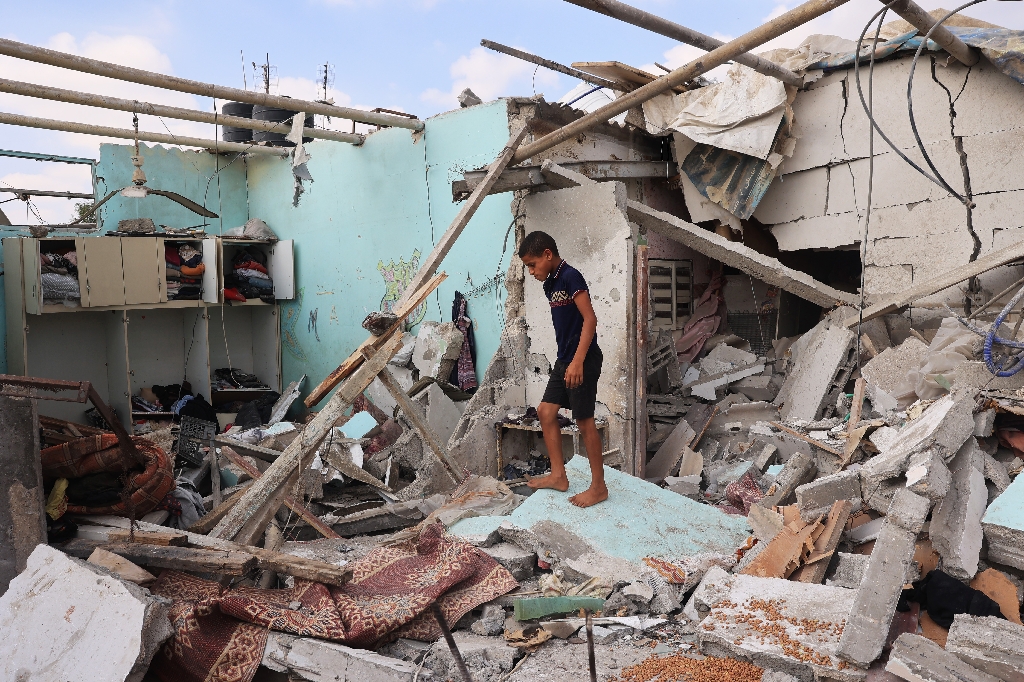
(917, 658)
(868, 624)
(798, 470)
(315, 660)
(59, 617)
(816, 498)
(990, 644)
(519, 562)
(850, 569)
(437, 348)
(22, 520)
(927, 475)
(889, 369)
(1003, 525)
(956, 529)
(826, 360)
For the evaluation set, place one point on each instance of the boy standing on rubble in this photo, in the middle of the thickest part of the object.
(573, 380)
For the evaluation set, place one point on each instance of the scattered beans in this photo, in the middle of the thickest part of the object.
(679, 668)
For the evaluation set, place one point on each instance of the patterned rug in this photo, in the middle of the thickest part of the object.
(221, 634)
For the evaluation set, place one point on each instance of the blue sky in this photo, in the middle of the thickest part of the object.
(411, 55)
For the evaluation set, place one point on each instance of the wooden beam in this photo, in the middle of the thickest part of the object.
(899, 300)
(213, 517)
(295, 505)
(643, 297)
(402, 311)
(807, 439)
(419, 421)
(268, 560)
(198, 559)
(256, 498)
(468, 210)
(166, 539)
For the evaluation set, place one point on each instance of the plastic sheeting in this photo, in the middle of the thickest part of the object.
(952, 345)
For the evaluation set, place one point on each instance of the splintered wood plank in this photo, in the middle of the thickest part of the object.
(124, 569)
(258, 500)
(144, 537)
(699, 418)
(213, 517)
(353, 361)
(785, 552)
(814, 568)
(199, 559)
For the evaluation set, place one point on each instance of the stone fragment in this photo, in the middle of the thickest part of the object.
(316, 660)
(765, 523)
(688, 486)
(65, 619)
(482, 655)
(443, 414)
(919, 659)
(956, 531)
(816, 498)
(984, 423)
(666, 460)
(437, 347)
(518, 561)
(763, 454)
(757, 388)
(995, 471)
(491, 623)
(723, 358)
(868, 625)
(826, 359)
(890, 367)
(866, 532)
(850, 570)
(927, 475)
(991, 644)
(798, 470)
(639, 590)
(22, 520)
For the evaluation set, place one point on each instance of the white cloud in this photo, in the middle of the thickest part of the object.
(490, 75)
(46, 176)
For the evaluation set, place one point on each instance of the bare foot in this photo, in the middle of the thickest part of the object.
(560, 483)
(590, 496)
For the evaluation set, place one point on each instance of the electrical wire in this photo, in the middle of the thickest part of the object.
(869, 108)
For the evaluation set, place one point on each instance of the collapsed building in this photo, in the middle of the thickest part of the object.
(809, 410)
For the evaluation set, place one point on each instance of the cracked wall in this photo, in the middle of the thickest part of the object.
(969, 121)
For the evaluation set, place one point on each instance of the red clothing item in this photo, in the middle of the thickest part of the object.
(171, 256)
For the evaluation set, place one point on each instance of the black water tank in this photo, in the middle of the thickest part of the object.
(276, 115)
(241, 110)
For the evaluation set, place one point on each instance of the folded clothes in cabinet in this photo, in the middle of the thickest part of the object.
(185, 268)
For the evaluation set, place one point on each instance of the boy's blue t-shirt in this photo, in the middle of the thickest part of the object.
(561, 287)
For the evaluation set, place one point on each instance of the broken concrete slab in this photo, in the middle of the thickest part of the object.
(868, 625)
(991, 644)
(1003, 524)
(443, 413)
(765, 523)
(665, 460)
(996, 473)
(826, 360)
(984, 423)
(479, 531)
(956, 531)
(674, 526)
(798, 470)
(58, 615)
(850, 569)
(724, 358)
(315, 660)
(491, 623)
(517, 560)
(757, 388)
(739, 256)
(706, 387)
(817, 497)
(437, 347)
(918, 659)
(759, 620)
(22, 520)
(890, 367)
(927, 475)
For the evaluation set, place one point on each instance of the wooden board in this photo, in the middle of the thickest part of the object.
(104, 271)
(814, 569)
(145, 537)
(143, 261)
(620, 73)
(198, 559)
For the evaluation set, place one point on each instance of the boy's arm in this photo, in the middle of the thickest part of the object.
(574, 372)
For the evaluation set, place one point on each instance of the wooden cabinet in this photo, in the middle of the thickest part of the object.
(280, 259)
(144, 278)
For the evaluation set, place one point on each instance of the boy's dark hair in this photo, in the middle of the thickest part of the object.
(535, 243)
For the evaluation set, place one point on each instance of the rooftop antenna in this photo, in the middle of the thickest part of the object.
(245, 81)
(325, 78)
(267, 73)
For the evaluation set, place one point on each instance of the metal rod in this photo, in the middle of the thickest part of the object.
(554, 66)
(42, 55)
(590, 646)
(135, 106)
(127, 134)
(436, 610)
(46, 157)
(915, 15)
(44, 193)
(745, 43)
(670, 29)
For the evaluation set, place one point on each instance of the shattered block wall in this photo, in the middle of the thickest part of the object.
(589, 223)
(969, 120)
(369, 219)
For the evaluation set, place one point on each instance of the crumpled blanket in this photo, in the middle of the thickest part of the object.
(221, 634)
(100, 453)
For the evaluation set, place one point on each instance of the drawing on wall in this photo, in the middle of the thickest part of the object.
(291, 313)
(311, 325)
(396, 278)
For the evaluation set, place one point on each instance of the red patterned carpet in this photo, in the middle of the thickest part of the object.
(221, 634)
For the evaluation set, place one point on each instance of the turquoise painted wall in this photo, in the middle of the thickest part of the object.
(189, 173)
(374, 212)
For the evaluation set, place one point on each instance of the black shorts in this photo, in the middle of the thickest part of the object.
(582, 398)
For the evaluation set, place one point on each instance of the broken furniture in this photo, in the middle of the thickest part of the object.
(502, 427)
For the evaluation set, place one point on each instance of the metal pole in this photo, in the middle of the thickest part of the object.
(555, 66)
(135, 106)
(43, 193)
(436, 610)
(590, 646)
(670, 29)
(125, 133)
(915, 15)
(745, 43)
(46, 157)
(42, 55)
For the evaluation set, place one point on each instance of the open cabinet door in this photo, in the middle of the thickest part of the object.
(104, 271)
(31, 276)
(281, 267)
(213, 283)
(143, 260)
(14, 297)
